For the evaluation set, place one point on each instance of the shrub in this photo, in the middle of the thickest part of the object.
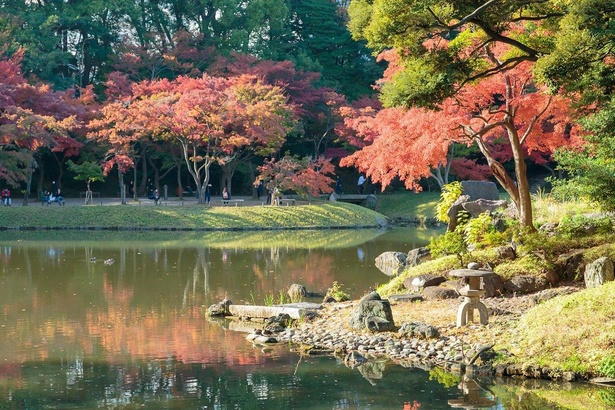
(607, 366)
(451, 243)
(580, 225)
(450, 193)
(475, 229)
(336, 292)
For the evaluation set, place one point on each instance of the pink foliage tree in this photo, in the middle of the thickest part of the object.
(305, 176)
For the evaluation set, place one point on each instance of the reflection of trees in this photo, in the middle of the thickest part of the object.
(190, 290)
(148, 303)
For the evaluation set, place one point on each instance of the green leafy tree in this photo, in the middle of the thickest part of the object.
(318, 40)
(432, 73)
(591, 170)
(88, 172)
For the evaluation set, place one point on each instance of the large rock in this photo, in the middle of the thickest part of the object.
(297, 292)
(417, 329)
(370, 202)
(220, 309)
(480, 206)
(439, 293)
(494, 285)
(372, 313)
(506, 252)
(419, 282)
(391, 263)
(525, 284)
(476, 197)
(480, 190)
(454, 210)
(598, 272)
(417, 255)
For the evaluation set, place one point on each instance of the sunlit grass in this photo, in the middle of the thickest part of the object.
(408, 204)
(573, 332)
(547, 209)
(290, 239)
(330, 215)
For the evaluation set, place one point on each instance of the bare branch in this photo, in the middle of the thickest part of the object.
(536, 18)
(472, 15)
(533, 121)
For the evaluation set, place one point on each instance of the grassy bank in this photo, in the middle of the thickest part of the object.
(574, 332)
(330, 215)
(408, 205)
(569, 333)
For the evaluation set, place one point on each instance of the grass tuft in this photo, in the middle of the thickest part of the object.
(563, 331)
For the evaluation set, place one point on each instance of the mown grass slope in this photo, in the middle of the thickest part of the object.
(330, 215)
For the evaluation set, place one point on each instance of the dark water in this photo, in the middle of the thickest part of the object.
(79, 332)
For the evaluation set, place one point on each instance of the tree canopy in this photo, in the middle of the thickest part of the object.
(567, 40)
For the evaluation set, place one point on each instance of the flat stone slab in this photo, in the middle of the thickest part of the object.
(603, 380)
(467, 273)
(302, 305)
(406, 298)
(267, 311)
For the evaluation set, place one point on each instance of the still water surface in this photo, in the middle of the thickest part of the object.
(115, 320)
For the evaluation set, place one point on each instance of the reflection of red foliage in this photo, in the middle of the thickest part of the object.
(10, 371)
(415, 405)
(122, 295)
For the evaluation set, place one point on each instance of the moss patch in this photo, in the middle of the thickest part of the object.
(573, 332)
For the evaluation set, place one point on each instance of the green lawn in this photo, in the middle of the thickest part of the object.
(330, 215)
(408, 204)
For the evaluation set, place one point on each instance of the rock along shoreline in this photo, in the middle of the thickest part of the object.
(413, 344)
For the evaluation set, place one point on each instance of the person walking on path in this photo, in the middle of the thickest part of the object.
(208, 194)
(338, 186)
(6, 197)
(361, 184)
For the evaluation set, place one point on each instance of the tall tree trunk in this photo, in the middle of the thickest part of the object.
(41, 179)
(253, 178)
(143, 185)
(135, 195)
(228, 170)
(524, 204)
(195, 169)
(180, 188)
(120, 178)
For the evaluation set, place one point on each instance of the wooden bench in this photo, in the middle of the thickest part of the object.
(287, 201)
(237, 202)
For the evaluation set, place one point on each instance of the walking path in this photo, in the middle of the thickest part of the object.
(142, 201)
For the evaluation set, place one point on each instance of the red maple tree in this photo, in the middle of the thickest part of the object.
(33, 116)
(304, 176)
(212, 119)
(507, 107)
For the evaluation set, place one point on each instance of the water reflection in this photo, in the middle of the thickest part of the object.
(473, 395)
(79, 332)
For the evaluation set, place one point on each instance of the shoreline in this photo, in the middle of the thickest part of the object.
(468, 350)
(326, 215)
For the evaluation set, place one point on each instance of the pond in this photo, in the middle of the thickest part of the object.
(116, 320)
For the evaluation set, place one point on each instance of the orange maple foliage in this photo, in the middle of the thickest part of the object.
(34, 116)
(210, 118)
(506, 107)
(305, 177)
